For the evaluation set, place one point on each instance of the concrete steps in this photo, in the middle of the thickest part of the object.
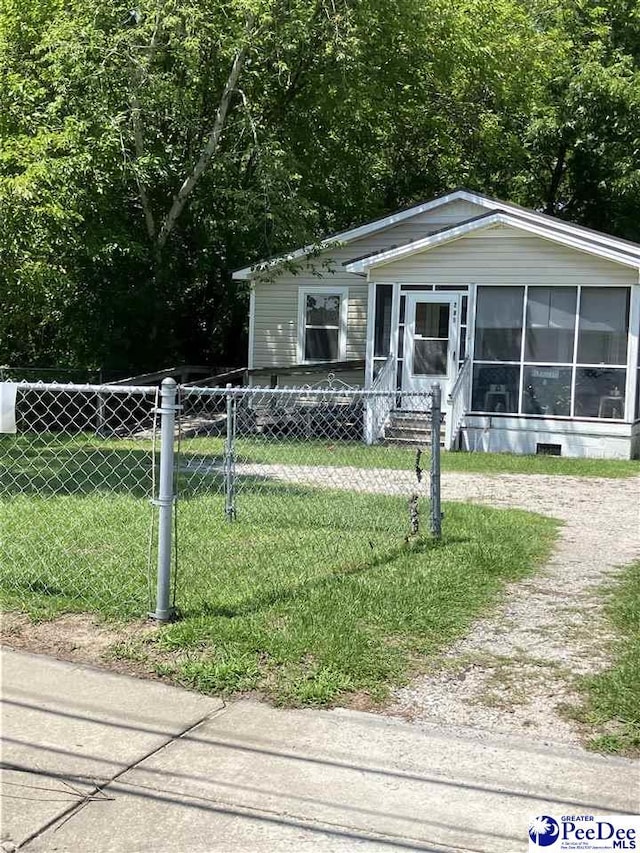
(410, 429)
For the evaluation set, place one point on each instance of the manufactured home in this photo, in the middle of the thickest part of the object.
(529, 323)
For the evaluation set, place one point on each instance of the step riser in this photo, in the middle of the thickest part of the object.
(395, 432)
(409, 443)
(402, 423)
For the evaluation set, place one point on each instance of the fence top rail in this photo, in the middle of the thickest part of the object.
(365, 393)
(62, 387)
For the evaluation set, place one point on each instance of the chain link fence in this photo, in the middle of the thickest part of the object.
(75, 483)
(120, 500)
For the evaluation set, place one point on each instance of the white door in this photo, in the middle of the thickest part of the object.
(430, 345)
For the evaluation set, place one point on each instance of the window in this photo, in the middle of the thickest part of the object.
(431, 339)
(549, 372)
(323, 317)
(600, 392)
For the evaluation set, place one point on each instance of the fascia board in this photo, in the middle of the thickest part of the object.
(552, 223)
(459, 231)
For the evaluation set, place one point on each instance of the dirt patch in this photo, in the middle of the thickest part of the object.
(83, 639)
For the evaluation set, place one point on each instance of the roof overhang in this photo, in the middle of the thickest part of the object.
(592, 238)
(578, 239)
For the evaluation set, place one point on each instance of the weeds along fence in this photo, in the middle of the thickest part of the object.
(133, 500)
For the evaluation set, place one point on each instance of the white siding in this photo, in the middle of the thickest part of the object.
(504, 255)
(275, 332)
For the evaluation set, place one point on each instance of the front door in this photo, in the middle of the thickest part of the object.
(430, 345)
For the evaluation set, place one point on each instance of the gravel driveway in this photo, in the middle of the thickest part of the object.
(514, 670)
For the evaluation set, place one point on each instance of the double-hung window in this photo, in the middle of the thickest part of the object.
(322, 324)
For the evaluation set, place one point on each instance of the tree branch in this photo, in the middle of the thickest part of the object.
(138, 143)
(136, 112)
(209, 150)
(556, 179)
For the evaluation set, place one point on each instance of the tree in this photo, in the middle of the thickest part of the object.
(584, 139)
(146, 152)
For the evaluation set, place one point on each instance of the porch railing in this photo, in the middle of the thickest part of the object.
(459, 401)
(378, 408)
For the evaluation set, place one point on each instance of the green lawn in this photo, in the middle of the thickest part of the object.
(309, 594)
(269, 450)
(612, 702)
(306, 617)
(107, 457)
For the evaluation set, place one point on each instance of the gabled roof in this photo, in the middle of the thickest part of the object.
(580, 239)
(550, 224)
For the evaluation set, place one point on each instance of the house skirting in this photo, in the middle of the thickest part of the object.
(579, 438)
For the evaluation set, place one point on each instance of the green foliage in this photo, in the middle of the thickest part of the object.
(583, 140)
(114, 251)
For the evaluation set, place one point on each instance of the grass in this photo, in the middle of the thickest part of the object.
(267, 450)
(60, 454)
(612, 698)
(310, 594)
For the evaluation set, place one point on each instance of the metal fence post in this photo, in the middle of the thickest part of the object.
(165, 500)
(229, 462)
(436, 419)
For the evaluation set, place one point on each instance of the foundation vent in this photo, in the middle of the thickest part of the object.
(548, 449)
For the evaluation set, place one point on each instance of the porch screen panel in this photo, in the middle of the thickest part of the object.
(551, 320)
(499, 323)
(604, 324)
(600, 392)
(382, 328)
(430, 358)
(495, 388)
(547, 390)
(561, 376)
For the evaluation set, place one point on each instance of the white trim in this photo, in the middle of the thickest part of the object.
(552, 222)
(371, 323)
(633, 365)
(484, 202)
(576, 338)
(351, 234)
(525, 308)
(458, 231)
(395, 324)
(252, 329)
(343, 294)
(471, 322)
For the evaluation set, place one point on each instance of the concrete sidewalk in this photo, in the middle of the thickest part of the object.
(100, 762)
